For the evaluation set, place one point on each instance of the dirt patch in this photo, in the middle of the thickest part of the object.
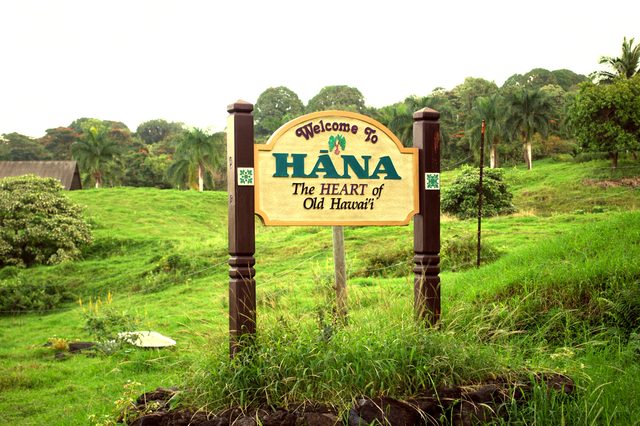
(629, 182)
(460, 405)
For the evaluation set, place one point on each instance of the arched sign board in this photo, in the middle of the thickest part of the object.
(335, 168)
(331, 168)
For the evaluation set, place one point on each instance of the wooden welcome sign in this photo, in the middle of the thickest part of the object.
(331, 168)
(335, 168)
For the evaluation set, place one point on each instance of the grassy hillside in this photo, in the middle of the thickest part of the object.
(562, 296)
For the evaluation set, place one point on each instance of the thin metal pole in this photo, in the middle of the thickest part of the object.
(480, 193)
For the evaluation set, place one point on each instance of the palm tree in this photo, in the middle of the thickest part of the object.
(399, 119)
(94, 152)
(197, 153)
(625, 66)
(528, 112)
(491, 109)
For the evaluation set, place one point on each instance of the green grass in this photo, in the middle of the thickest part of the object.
(560, 297)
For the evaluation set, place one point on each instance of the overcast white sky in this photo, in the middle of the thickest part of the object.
(136, 60)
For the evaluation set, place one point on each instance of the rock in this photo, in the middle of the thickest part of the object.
(146, 339)
(278, 418)
(317, 419)
(158, 395)
(80, 346)
(244, 421)
(153, 419)
(386, 411)
(459, 405)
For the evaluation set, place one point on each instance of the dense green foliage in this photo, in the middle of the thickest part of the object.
(337, 97)
(274, 107)
(606, 117)
(461, 197)
(154, 131)
(94, 151)
(199, 155)
(17, 147)
(20, 295)
(529, 111)
(38, 224)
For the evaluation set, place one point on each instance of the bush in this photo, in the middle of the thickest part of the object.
(388, 262)
(461, 198)
(460, 252)
(19, 295)
(38, 224)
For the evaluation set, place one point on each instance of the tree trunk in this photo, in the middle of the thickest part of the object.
(98, 178)
(614, 160)
(493, 157)
(493, 154)
(527, 155)
(200, 178)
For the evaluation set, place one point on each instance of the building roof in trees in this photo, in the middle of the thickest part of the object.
(65, 171)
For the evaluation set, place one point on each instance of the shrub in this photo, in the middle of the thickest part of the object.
(387, 262)
(38, 224)
(19, 295)
(460, 252)
(461, 198)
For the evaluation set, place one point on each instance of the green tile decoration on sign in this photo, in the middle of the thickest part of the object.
(245, 176)
(432, 181)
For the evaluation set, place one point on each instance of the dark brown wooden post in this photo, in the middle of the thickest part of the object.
(426, 233)
(240, 181)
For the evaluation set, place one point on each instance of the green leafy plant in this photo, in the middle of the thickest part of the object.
(461, 197)
(104, 323)
(19, 295)
(38, 224)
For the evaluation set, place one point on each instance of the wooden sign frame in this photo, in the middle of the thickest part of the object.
(241, 180)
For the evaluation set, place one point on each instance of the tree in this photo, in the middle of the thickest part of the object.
(399, 119)
(275, 106)
(606, 118)
(18, 147)
(461, 197)
(528, 112)
(38, 224)
(94, 151)
(471, 89)
(58, 142)
(145, 169)
(337, 97)
(491, 110)
(568, 79)
(154, 131)
(198, 153)
(625, 66)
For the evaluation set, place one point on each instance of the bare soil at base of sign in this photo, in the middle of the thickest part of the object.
(459, 405)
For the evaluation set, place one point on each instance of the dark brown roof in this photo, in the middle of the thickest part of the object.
(65, 171)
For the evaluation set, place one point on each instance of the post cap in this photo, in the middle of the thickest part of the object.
(426, 114)
(240, 106)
